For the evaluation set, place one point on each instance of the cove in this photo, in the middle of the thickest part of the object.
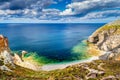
(49, 43)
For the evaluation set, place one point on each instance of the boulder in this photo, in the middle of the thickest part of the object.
(94, 74)
(23, 53)
(110, 78)
(5, 68)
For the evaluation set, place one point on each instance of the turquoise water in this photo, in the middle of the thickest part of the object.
(49, 43)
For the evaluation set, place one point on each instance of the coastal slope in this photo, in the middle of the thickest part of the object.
(107, 40)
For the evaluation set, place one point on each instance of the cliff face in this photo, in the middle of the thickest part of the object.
(8, 60)
(5, 54)
(107, 40)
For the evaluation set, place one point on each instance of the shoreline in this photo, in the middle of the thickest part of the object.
(50, 67)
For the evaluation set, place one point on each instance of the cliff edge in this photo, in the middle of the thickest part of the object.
(107, 40)
(8, 60)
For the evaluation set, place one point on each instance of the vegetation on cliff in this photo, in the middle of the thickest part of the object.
(106, 39)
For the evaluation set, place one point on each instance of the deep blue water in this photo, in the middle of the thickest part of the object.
(53, 41)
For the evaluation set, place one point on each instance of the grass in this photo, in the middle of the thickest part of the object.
(109, 27)
(70, 73)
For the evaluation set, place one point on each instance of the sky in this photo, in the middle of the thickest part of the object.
(59, 11)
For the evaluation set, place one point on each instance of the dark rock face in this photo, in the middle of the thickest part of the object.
(107, 39)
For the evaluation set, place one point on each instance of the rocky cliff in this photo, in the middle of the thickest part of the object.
(5, 54)
(107, 40)
(9, 59)
(104, 41)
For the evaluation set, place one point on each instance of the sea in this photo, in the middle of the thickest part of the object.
(51, 42)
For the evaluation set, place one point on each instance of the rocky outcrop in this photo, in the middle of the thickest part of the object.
(6, 59)
(107, 40)
(93, 73)
(5, 54)
(26, 63)
(110, 78)
(9, 60)
(5, 68)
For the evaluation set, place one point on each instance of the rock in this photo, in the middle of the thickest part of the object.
(3, 44)
(101, 73)
(117, 76)
(110, 78)
(17, 59)
(5, 53)
(26, 62)
(23, 53)
(5, 68)
(107, 39)
(7, 59)
(106, 56)
(93, 73)
(100, 67)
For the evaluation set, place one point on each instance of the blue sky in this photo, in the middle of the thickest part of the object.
(59, 11)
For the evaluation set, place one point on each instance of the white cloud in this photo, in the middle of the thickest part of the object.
(62, 20)
(9, 12)
(51, 11)
(86, 6)
(102, 14)
(76, 11)
(47, 14)
(67, 12)
(25, 4)
(29, 13)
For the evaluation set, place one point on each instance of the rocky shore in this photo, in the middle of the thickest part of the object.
(104, 43)
(12, 59)
(107, 40)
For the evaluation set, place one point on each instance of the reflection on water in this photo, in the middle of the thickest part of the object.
(53, 41)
